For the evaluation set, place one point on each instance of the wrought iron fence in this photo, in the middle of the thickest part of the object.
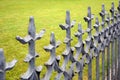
(106, 40)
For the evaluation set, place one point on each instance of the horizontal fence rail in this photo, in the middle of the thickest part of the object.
(105, 42)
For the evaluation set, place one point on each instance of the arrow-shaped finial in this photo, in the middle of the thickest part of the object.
(5, 66)
(89, 16)
(79, 33)
(31, 28)
(31, 33)
(89, 11)
(112, 10)
(79, 45)
(118, 7)
(88, 19)
(68, 17)
(80, 28)
(97, 24)
(52, 62)
(68, 24)
(32, 72)
(52, 39)
(102, 14)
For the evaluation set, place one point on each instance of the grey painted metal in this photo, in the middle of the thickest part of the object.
(108, 62)
(118, 75)
(5, 66)
(79, 47)
(32, 72)
(68, 52)
(84, 54)
(102, 14)
(112, 10)
(116, 49)
(116, 43)
(108, 47)
(97, 68)
(51, 64)
(89, 43)
(97, 44)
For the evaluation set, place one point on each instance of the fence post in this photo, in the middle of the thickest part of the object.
(68, 52)
(52, 62)
(108, 54)
(79, 47)
(116, 43)
(32, 72)
(118, 75)
(5, 66)
(97, 44)
(112, 43)
(102, 14)
(88, 19)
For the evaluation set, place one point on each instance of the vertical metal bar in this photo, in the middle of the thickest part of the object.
(88, 19)
(97, 67)
(116, 58)
(80, 69)
(97, 45)
(90, 70)
(5, 66)
(79, 47)
(112, 43)
(116, 47)
(68, 52)
(112, 60)
(102, 14)
(103, 65)
(50, 64)
(80, 77)
(108, 62)
(30, 39)
(118, 75)
(108, 47)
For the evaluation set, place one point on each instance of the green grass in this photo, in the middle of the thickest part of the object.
(48, 14)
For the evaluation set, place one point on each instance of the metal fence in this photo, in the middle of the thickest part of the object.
(106, 41)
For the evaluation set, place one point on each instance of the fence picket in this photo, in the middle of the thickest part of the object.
(108, 38)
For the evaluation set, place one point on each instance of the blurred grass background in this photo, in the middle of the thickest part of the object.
(48, 14)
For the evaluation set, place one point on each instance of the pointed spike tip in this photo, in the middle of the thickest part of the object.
(31, 18)
(31, 28)
(52, 35)
(113, 3)
(68, 17)
(67, 12)
(103, 7)
(52, 38)
(89, 7)
(89, 11)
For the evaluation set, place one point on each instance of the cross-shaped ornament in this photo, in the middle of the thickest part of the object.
(32, 72)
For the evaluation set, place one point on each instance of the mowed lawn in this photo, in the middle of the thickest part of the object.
(48, 14)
